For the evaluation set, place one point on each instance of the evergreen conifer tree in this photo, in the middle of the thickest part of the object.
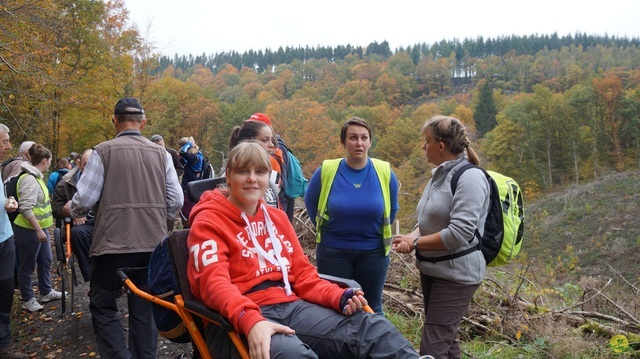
(485, 111)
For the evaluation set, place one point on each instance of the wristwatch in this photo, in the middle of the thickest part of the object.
(415, 243)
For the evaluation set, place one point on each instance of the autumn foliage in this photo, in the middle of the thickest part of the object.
(553, 110)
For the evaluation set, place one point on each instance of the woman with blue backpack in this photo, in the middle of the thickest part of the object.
(451, 266)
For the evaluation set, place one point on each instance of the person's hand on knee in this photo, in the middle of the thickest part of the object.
(259, 338)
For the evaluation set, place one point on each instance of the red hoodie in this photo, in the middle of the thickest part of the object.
(224, 263)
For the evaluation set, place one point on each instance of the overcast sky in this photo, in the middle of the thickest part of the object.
(209, 26)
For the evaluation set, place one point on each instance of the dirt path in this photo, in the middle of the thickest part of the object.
(50, 334)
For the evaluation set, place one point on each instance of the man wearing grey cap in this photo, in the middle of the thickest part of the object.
(134, 188)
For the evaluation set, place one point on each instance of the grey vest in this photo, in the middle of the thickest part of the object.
(131, 214)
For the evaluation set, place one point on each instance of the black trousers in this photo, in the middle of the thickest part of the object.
(105, 285)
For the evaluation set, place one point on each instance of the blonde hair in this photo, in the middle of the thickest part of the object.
(246, 154)
(192, 149)
(183, 141)
(452, 133)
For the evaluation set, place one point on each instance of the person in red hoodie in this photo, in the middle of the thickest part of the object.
(246, 262)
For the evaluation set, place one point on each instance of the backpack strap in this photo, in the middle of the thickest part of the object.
(422, 258)
(6, 162)
(456, 176)
(454, 185)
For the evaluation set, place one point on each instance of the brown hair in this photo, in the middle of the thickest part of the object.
(353, 121)
(62, 163)
(248, 130)
(452, 133)
(38, 152)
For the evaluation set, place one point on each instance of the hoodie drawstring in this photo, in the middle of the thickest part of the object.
(275, 259)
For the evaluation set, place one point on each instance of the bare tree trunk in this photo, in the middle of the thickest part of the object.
(616, 142)
(575, 161)
(549, 162)
(595, 160)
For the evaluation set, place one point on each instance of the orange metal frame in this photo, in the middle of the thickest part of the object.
(187, 317)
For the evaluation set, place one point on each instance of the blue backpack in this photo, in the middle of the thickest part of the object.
(162, 284)
(295, 185)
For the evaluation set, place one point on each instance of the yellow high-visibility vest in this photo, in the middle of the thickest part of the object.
(42, 211)
(328, 173)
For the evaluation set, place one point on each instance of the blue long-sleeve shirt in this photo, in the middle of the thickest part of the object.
(192, 163)
(355, 214)
(54, 178)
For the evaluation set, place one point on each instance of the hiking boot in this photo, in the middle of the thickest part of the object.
(53, 295)
(32, 305)
(9, 352)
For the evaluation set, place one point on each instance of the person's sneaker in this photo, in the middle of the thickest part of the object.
(426, 357)
(32, 305)
(9, 352)
(53, 295)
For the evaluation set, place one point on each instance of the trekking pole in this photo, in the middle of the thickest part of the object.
(60, 254)
(74, 280)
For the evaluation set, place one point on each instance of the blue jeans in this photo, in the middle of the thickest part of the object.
(80, 245)
(32, 254)
(368, 268)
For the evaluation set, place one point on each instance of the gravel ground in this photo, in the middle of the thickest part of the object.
(52, 334)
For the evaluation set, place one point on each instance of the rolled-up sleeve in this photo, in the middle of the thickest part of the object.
(89, 187)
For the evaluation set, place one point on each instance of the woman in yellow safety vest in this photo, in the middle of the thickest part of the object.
(31, 230)
(352, 201)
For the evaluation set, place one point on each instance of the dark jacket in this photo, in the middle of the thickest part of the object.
(63, 192)
(176, 161)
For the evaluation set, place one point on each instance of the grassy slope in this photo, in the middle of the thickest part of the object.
(578, 241)
(576, 232)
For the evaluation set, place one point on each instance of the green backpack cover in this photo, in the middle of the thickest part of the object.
(512, 216)
(504, 227)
